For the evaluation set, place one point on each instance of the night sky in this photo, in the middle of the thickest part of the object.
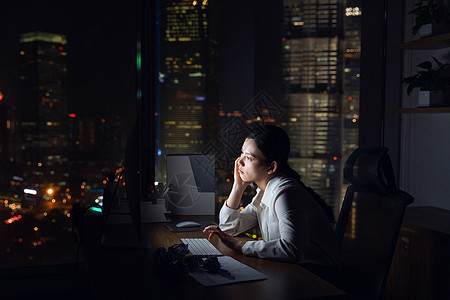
(101, 46)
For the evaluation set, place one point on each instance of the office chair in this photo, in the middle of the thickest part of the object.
(369, 222)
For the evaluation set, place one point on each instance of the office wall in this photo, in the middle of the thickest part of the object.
(419, 144)
(425, 138)
(426, 163)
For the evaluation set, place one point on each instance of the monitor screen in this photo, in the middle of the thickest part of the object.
(133, 174)
(124, 234)
(140, 148)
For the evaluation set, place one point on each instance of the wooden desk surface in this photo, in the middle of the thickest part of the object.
(127, 273)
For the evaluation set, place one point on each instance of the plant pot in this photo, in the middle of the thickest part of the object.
(430, 98)
(432, 29)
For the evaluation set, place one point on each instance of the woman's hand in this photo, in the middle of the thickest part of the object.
(227, 239)
(238, 188)
(238, 182)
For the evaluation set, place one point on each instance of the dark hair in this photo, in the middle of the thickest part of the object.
(274, 143)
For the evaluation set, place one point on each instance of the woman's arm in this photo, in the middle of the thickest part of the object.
(232, 220)
(227, 239)
(284, 248)
(235, 221)
(288, 246)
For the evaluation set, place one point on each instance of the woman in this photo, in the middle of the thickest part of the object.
(294, 221)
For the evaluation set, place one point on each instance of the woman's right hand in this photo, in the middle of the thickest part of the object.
(238, 182)
(238, 189)
(227, 239)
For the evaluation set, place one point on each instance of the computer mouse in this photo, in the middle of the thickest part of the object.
(187, 224)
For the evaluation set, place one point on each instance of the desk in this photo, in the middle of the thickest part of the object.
(421, 263)
(125, 273)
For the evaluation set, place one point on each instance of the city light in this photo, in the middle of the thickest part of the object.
(30, 191)
(352, 11)
(50, 191)
(96, 209)
(13, 219)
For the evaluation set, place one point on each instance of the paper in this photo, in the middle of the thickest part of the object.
(231, 271)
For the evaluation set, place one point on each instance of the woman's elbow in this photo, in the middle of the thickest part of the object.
(289, 251)
(231, 230)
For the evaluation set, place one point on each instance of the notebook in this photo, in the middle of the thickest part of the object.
(231, 271)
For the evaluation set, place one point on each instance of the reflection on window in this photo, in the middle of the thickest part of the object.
(319, 108)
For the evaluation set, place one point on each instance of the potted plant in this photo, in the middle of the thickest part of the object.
(433, 83)
(429, 13)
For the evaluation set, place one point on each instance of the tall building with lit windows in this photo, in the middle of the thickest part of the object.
(188, 108)
(44, 105)
(351, 76)
(317, 76)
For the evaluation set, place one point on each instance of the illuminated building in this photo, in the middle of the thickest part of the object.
(188, 108)
(351, 76)
(96, 138)
(8, 145)
(44, 101)
(315, 81)
(3, 129)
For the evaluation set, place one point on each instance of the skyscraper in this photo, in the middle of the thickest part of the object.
(3, 129)
(188, 109)
(312, 69)
(44, 105)
(351, 75)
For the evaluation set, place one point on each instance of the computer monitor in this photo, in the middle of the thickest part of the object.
(190, 178)
(137, 188)
(140, 148)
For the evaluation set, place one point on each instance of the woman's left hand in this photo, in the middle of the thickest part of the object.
(227, 239)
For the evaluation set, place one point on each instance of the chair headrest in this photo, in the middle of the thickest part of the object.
(370, 168)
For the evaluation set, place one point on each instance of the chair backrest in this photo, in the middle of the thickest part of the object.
(371, 216)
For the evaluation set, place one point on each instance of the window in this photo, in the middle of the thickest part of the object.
(69, 99)
(315, 96)
(68, 80)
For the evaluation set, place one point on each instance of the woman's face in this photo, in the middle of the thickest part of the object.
(252, 166)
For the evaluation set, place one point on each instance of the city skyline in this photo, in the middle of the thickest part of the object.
(329, 80)
(42, 115)
(188, 108)
(313, 80)
(98, 34)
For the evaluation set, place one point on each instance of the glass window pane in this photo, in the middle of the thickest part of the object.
(68, 87)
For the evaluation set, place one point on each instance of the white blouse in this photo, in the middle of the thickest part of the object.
(293, 225)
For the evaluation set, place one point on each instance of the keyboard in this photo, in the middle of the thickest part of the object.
(200, 247)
